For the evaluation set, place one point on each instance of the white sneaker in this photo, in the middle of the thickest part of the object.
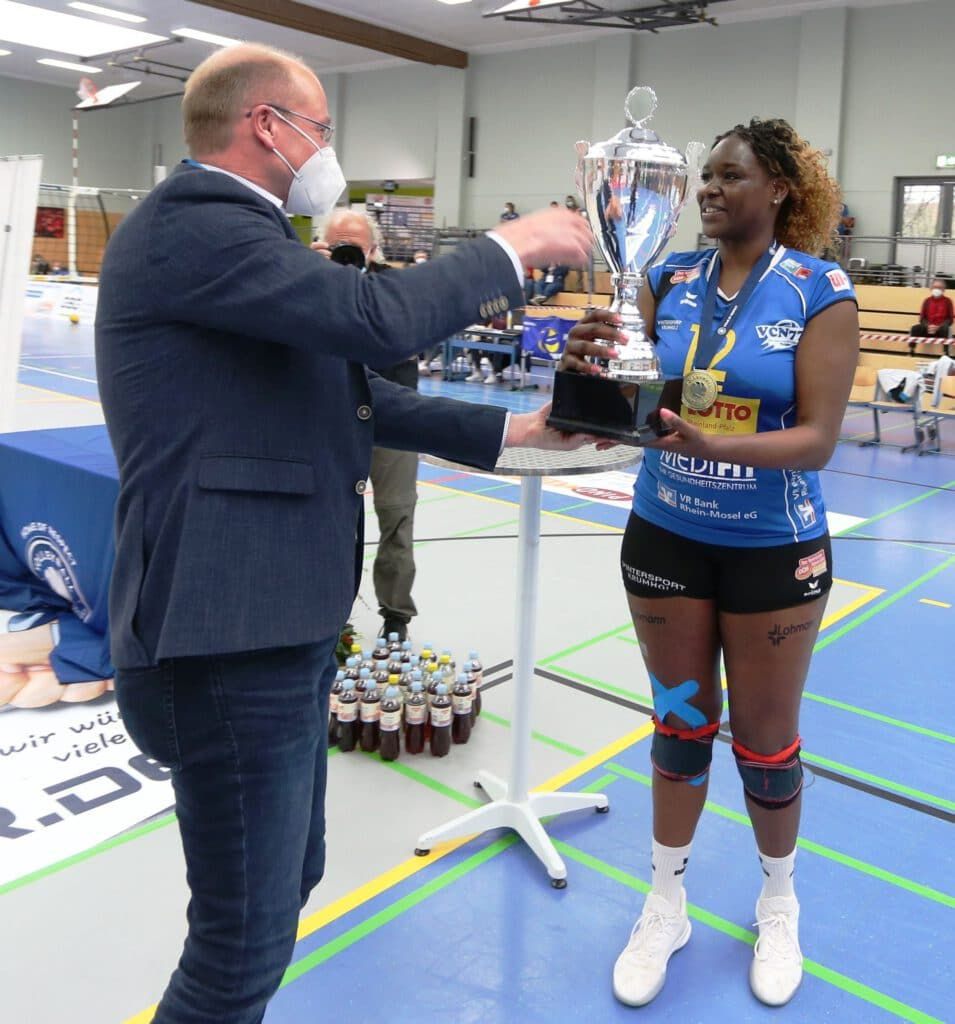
(641, 969)
(474, 378)
(424, 368)
(493, 378)
(776, 970)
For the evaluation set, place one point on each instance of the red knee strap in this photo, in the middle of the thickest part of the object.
(787, 754)
(704, 732)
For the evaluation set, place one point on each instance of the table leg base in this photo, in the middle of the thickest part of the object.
(523, 816)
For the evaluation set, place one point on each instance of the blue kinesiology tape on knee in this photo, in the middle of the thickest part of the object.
(676, 700)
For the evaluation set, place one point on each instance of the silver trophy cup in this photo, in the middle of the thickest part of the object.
(634, 187)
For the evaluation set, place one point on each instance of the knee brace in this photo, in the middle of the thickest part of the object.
(772, 781)
(683, 755)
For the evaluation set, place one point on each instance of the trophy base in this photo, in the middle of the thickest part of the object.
(622, 410)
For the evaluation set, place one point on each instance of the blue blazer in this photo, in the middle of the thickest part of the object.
(231, 365)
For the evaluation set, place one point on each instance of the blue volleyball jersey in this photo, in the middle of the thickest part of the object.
(721, 502)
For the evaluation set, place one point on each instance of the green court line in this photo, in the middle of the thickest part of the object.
(903, 543)
(540, 737)
(598, 784)
(878, 780)
(442, 497)
(900, 507)
(560, 655)
(78, 858)
(628, 639)
(886, 602)
(567, 508)
(601, 685)
(813, 847)
(396, 909)
(433, 784)
(865, 713)
(720, 924)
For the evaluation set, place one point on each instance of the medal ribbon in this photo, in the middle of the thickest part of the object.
(710, 340)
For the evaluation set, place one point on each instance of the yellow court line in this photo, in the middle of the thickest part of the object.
(936, 604)
(393, 876)
(60, 396)
(407, 868)
(870, 594)
(599, 527)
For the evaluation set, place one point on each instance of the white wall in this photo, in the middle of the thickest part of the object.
(530, 107)
(869, 99)
(387, 123)
(37, 118)
(897, 114)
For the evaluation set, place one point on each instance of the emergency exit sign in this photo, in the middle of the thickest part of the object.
(945, 161)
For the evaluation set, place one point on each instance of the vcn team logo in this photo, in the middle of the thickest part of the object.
(779, 337)
(50, 559)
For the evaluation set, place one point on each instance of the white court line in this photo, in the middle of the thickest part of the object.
(69, 355)
(57, 373)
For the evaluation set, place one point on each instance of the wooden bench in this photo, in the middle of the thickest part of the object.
(886, 315)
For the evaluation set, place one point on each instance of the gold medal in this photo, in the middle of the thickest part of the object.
(699, 390)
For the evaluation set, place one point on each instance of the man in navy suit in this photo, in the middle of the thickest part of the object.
(231, 365)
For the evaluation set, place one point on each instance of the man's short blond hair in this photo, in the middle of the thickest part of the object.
(226, 84)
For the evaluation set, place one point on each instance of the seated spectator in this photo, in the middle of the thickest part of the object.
(550, 283)
(510, 213)
(58, 269)
(421, 256)
(935, 318)
(40, 265)
(498, 360)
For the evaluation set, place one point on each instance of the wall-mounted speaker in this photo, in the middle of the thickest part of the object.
(472, 144)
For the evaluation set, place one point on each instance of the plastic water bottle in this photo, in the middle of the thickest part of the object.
(363, 682)
(394, 644)
(477, 671)
(381, 652)
(440, 722)
(395, 664)
(370, 715)
(461, 710)
(347, 716)
(351, 668)
(333, 708)
(406, 651)
(390, 724)
(416, 715)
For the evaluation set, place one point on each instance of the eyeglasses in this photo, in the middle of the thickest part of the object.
(325, 131)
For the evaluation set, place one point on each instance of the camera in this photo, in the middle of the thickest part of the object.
(347, 255)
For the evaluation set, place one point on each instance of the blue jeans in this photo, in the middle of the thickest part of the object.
(246, 737)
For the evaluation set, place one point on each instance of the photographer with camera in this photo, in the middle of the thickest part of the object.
(352, 239)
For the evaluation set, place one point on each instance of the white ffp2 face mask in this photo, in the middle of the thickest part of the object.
(937, 293)
(317, 184)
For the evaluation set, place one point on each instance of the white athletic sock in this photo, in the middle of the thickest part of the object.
(669, 866)
(778, 875)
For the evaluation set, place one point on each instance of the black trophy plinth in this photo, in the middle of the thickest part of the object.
(622, 410)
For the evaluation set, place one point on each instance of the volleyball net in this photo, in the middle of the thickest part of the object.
(73, 225)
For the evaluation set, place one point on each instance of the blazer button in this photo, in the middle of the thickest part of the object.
(364, 412)
(361, 487)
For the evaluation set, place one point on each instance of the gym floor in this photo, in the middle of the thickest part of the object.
(475, 932)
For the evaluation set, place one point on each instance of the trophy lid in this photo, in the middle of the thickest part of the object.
(638, 142)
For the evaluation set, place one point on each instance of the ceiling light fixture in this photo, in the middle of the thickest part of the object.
(5, 53)
(56, 32)
(69, 65)
(452, 2)
(135, 19)
(205, 37)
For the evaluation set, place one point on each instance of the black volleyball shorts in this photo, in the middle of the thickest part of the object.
(657, 563)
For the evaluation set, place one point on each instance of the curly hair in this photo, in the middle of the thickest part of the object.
(808, 216)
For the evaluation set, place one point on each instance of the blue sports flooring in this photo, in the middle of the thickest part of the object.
(478, 935)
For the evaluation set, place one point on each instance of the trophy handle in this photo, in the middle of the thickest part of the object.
(582, 147)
